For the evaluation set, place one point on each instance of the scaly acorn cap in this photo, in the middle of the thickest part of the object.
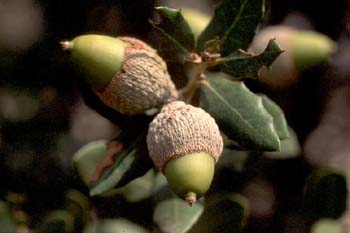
(184, 143)
(125, 73)
(302, 49)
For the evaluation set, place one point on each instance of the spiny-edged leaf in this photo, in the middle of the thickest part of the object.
(326, 194)
(241, 64)
(326, 226)
(235, 23)
(239, 113)
(222, 215)
(279, 120)
(130, 161)
(175, 35)
(176, 216)
(290, 148)
(119, 225)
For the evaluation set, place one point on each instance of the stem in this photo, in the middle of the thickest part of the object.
(191, 198)
(66, 45)
(199, 65)
(197, 75)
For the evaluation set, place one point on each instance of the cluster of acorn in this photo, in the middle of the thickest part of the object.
(184, 141)
(129, 76)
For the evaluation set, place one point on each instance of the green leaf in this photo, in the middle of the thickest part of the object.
(241, 64)
(87, 157)
(326, 194)
(222, 215)
(119, 225)
(235, 23)
(176, 216)
(239, 113)
(234, 159)
(6, 222)
(326, 226)
(279, 120)
(131, 162)
(290, 148)
(175, 34)
(143, 187)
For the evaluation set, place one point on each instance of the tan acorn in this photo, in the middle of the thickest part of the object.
(125, 73)
(302, 49)
(184, 143)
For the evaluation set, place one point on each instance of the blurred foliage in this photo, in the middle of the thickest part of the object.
(40, 94)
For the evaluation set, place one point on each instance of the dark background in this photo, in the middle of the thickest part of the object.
(43, 119)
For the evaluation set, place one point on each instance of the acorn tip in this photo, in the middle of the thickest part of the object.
(66, 45)
(191, 198)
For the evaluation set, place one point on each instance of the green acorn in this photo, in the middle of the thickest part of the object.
(184, 143)
(197, 20)
(125, 73)
(302, 49)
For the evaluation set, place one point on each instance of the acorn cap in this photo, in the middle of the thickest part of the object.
(181, 129)
(143, 82)
(99, 57)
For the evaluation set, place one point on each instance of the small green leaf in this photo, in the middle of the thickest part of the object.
(239, 113)
(279, 120)
(143, 187)
(326, 194)
(241, 64)
(326, 226)
(176, 216)
(87, 157)
(290, 148)
(119, 225)
(176, 36)
(234, 23)
(222, 215)
(131, 162)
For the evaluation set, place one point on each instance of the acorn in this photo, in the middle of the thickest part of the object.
(196, 19)
(303, 49)
(125, 73)
(184, 143)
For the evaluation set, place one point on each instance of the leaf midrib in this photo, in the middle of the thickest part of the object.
(242, 6)
(172, 39)
(230, 107)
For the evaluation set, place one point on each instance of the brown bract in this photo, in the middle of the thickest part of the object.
(143, 82)
(181, 129)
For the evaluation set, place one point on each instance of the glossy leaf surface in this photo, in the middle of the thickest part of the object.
(240, 114)
(175, 35)
(235, 23)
